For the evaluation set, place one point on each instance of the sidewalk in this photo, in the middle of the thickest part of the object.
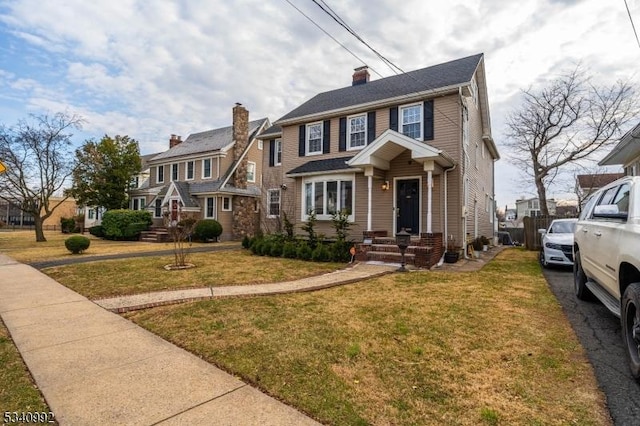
(94, 367)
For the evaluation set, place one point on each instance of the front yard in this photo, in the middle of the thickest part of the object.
(488, 347)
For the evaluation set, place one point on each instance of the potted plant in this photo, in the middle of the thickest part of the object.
(477, 246)
(485, 243)
(452, 253)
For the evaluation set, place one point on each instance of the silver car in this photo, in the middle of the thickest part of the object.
(557, 243)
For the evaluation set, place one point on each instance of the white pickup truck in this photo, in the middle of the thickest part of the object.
(606, 254)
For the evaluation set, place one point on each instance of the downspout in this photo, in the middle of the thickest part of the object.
(465, 189)
(446, 211)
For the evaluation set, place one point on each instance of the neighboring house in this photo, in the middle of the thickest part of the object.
(214, 174)
(412, 151)
(588, 184)
(567, 208)
(626, 153)
(531, 207)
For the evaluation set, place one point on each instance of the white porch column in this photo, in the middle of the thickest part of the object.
(368, 172)
(429, 167)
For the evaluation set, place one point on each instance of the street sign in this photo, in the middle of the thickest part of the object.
(2, 167)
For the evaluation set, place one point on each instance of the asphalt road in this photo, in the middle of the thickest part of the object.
(599, 333)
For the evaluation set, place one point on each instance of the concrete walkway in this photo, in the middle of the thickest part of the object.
(94, 367)
(358, 272)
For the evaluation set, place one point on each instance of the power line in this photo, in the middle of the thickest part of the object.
(332, 37)
(344, 25)
(632, 25)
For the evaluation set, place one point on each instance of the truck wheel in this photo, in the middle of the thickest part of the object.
(580, 280)
(630, 321)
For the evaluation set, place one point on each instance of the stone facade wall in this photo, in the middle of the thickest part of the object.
(244, 217)
(240, 139)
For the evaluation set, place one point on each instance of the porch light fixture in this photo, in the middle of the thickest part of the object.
(385, 185)
(403, 239)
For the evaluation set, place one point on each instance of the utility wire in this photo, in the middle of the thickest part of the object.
(632, 25)
(332, 37)
(344, 25)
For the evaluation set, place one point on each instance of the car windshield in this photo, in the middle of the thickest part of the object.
(562, 228)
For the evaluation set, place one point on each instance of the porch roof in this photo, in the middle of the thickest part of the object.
(390, 144)
(329, 165)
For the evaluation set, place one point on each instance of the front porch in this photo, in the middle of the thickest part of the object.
(424, 252)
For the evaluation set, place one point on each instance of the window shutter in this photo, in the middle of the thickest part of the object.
(272, 152)
(393, 118)
(371, 127)
(428, 120)
(342, 141)
(301, 140)
(326, 137)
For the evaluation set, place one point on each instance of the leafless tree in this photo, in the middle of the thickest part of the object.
(180, 233)
(566, 122)
(38, 156)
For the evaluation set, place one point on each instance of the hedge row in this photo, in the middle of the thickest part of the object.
(277, 245)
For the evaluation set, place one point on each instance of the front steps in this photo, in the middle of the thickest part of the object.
(424, 251)
(156, 234)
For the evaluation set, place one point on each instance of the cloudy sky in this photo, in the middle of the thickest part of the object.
(148, 69)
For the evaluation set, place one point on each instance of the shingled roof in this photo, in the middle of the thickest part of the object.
(211, 140)
(321, 166)
(448, 74)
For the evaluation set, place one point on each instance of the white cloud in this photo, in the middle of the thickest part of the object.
(149, 69)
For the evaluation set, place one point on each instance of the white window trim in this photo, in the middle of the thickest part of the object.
(308, 152)
(158, 180)
(206, 208)
(228, 209)
(210, 168)
(154, 208)
(139, 200)
(171, 179)
(254, 171)
(420, 105)
(278, 144)
(329, 178)
(269, 191)
(349, 146)
(186, 170)
(260, 144)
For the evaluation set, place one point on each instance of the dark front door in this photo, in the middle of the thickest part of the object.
(408, 205)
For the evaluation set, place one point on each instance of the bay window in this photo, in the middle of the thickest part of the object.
(326, 196)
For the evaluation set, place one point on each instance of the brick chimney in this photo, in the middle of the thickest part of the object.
(174, 140)
(360, 75)
(240, 136)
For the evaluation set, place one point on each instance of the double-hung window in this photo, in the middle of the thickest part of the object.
(277, 152)
(328, 196)
(137, 203)
(160, 177)
(157, 208)
(251, 171)
(189, 170)
(411, 121)
(314, 138)
(273, 200)
(211, 208)
(206, 168)
(357, 129)
(174, 172)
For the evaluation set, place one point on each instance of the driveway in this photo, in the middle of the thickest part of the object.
(599, 333)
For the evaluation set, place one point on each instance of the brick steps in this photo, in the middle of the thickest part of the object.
(424, 251)
(155, 235)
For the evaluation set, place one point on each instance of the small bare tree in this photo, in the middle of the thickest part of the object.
(567, 122)
(38, 156)
(180, 232)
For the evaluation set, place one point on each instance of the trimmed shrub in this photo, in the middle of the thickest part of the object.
(339, 251)
(77, 244)
(132, 231)
(246, 242)
(266, 248)
(320, 253)
(276, 249)
(304, 252)
(67, 225)
(115, 222)
(289, 250)
(207, 230)
(97, 231)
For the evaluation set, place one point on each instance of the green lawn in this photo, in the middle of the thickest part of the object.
(488, 347)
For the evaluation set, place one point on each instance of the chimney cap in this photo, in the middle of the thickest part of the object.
(238, 104)
(363, 67)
